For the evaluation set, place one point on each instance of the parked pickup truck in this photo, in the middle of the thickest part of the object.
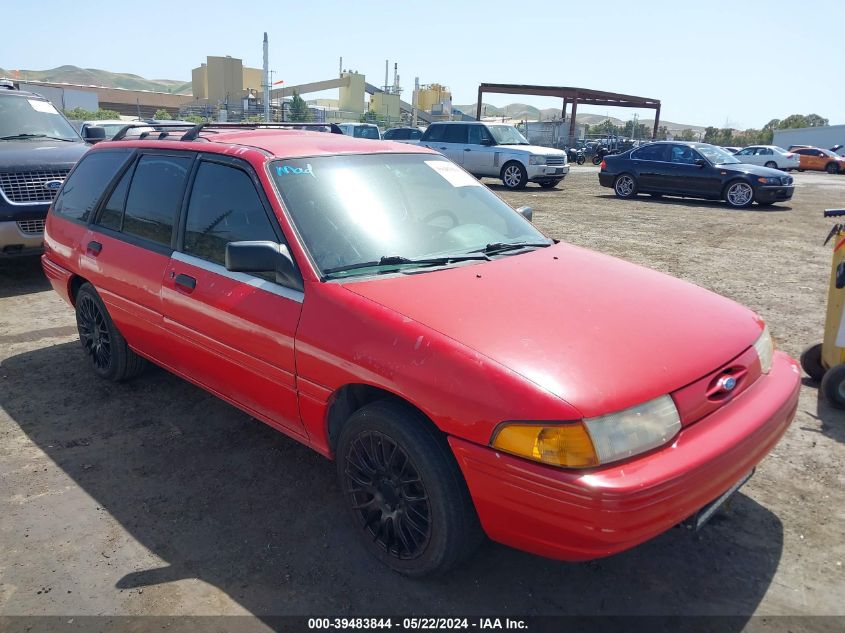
(498, 151)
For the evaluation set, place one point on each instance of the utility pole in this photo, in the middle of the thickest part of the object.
(266, 82)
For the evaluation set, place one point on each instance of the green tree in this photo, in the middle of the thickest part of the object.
(688, 135)
(299, 109)
(162, 115)
(193, 118)
(81, 114)
(662, 133)
(605, 128)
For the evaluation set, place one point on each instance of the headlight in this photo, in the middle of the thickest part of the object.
(635, 430)
(769, 181)
(593, 441)
(765, 349)
(536, 160)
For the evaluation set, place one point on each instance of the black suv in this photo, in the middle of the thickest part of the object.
(37, 149)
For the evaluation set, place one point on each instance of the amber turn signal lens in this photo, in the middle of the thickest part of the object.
(567, 445)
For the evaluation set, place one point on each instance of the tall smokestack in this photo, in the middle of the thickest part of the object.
(266, 82)
(340, 68)
(395, 76)
(386, 66)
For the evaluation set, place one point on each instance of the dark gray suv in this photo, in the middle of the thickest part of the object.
(37, 149)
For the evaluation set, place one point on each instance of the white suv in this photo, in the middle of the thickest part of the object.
(498, 151)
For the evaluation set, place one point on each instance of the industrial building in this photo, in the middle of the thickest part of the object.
(225, 80)
(825, 136)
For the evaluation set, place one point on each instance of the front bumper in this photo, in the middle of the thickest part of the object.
(581, 515)
(547, 172)
(773, 193)
(14, 241)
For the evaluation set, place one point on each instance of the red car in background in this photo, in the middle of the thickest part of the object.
(376, 302)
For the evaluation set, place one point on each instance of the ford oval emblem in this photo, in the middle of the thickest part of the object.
(726, 383)
(53, 185)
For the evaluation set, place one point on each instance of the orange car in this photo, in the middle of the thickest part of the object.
(820, 160)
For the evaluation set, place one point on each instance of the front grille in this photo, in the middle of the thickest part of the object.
(28, 186)
(555, 160)
(31, 227)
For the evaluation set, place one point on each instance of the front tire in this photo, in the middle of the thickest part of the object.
(771, 165)
(514, 176)
(832, 168)
(625, 186)
(739, 194)
(833, 386)
(581, 160)
(405, 493)
(104, 345)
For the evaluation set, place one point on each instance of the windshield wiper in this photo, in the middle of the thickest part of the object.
(394, 261)
(501, 247)
(15, 137)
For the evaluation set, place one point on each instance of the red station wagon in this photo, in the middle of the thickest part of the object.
(377, 303)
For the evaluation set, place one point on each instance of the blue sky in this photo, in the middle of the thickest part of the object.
(710, 63)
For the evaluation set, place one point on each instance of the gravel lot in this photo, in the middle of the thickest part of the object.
(156, 498)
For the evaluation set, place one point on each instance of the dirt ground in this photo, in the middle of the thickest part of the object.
(154, 497)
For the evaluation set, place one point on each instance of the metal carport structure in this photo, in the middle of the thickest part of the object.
(573, 96)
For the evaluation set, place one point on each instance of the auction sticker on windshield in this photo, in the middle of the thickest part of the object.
(456, 176)
(42, 106)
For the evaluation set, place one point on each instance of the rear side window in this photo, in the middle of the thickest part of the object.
(456, 134)
(155, 197)
(434, 133)
(365, 131)
(85, 187)
(224, 207)
(650, 152)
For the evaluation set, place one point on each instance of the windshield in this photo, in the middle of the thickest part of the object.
(717, 155)
(827, 152)
(111, 128)
(22, 118)
(365, 131)
(361, 208)
(507, 135)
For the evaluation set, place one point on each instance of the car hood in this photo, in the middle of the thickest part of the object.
(753, 170)
(45, 154)
(600, 333)
(534, 149)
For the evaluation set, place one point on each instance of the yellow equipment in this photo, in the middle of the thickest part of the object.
(825, 362)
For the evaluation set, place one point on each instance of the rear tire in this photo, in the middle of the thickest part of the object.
(104, 345)
(625, 186)
(514, 176)
(832, 168)
(833, 386)
(771, 165)
(811, 362)
(404, 491)
(581, 160)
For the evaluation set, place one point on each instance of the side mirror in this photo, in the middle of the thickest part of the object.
(94, 134)
(263, 257)
(526, 212)
(840, 276)
(701, 162)
(487, 141)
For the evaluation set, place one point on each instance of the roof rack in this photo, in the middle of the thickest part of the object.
(192, 131)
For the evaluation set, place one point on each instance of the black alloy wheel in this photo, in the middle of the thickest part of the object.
(388, 495)
(94, 333)
(103, 344)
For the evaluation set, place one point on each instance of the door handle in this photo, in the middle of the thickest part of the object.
(443, 148)
(94, 248)
(467, 149)
(186, 282)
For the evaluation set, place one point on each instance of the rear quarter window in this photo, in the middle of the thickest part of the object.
(155, 197)
(85, 186)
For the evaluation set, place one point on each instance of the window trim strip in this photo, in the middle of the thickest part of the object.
(255, 282)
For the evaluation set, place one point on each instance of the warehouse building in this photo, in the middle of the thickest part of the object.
(825, 136)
